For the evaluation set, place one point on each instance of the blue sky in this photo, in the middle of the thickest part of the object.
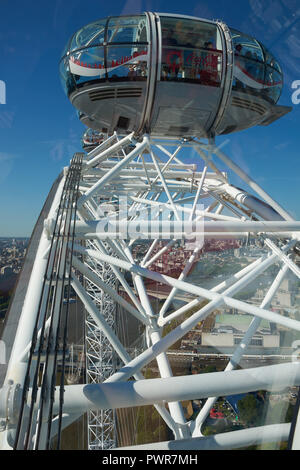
(39, 129)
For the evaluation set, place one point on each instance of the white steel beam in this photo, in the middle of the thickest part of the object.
(103, 155)
(82, 397)
(224, 441)
(154, 331)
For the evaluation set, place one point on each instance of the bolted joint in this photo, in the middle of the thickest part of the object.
(153, 327)
(153, 331)
(10, 403)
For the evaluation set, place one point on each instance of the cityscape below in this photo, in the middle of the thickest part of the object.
(12, 255)
(206, 348)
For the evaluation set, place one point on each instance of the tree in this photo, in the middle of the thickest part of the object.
(249, 410)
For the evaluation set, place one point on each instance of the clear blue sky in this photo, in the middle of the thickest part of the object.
(39, 129)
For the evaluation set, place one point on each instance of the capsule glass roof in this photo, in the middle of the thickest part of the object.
(117, 49)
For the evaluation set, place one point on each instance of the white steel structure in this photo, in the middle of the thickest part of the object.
(100, 353)
(156, 89)
(123, 190)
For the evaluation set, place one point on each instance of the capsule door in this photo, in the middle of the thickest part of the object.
(189, 76)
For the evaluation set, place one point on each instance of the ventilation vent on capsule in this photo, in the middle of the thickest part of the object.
(98, 95)
(129, 92)
(111, 93)
(246, 104)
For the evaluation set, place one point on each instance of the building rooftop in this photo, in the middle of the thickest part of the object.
(240, 322)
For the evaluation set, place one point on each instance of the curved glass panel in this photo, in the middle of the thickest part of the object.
(189, 33)
(87, 65)
(127, 63)
(251, 73)
(256, 71)
(270, 60)
(273, 80)
(127, 29)
(246, 46)
(66, 76)
(67, 47)
(191, 52)
(273, 77)
(85, 61)
(90, 35)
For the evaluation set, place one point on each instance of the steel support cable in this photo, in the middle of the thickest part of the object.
(68, 218)
(66, 236)
(53, 342)
(34, 339)
(49, 372)
(78, 176)
(68, 298)
(49, 277)
(72, 200)
(51, 293)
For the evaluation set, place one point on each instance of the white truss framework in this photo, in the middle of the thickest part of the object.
(131, 189)
(99, 354)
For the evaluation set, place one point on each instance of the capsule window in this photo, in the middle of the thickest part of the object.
(91, 35)
(273, 80)
(271, 61)
(127, 63)
(127, 30)
(246, 46)
(256, 71)
(273, 77)
(191, 52)
(253, 72)
(66, 76)
(189, 33)
(87, 65)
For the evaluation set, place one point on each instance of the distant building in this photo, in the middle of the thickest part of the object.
(285, 297)
(229, 330)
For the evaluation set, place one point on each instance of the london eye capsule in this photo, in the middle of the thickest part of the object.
(172, 75)
(91, 139)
